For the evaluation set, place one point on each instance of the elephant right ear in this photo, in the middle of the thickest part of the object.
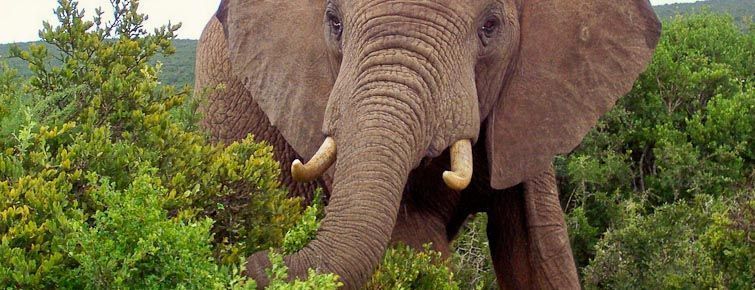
(278, 51)
(576, 58)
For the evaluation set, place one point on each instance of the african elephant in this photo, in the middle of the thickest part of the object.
(430, 111)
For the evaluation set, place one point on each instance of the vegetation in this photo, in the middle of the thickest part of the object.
(405, 268)
(106, 181)
(177, 67)
(473, 266)
(685, 245)
(660, 194)
(741, 10)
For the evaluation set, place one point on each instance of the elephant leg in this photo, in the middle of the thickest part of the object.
(508, 238)
(529, 243)
(550, 253)
(415, 229)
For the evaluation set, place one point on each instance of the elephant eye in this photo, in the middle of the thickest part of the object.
(336, 26)
(489, 28)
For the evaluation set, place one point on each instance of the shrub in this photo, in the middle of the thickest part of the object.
(406, 268)
(473, 267)
(134, 244)
(679, 246)
(315, 281)
(685, 129)
(305, 230)
(101, 185)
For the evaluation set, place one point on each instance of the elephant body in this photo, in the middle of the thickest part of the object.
(430, 212)
(387, 184)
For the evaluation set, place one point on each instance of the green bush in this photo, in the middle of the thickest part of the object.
(679, 246)
(133, 244)
(407, 268)
(70, 227)
(305, 230)
(685, 133)
(103, 186)
(315, 281)
(473, 267)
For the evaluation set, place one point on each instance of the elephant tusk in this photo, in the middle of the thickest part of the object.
(320, 162)
(461, 166)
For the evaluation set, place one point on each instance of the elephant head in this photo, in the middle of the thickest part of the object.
(389, 83)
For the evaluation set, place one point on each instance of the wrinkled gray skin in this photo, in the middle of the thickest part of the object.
(395, 83)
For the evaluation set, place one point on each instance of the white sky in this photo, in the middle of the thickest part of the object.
(20, 20)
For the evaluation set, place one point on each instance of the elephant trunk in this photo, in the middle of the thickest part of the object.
(375, 156)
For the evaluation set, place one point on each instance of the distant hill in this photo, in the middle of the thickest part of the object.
(178, 69)
(741, 10)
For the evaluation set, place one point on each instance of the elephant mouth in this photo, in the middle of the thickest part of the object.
(458, 178)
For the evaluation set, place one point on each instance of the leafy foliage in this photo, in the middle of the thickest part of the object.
(177, 68)
(315, 281)
(305, 230)
(685, 133)
(407, 268)
(102, 186)
(679, 246)
(473, 266)
(135, 236)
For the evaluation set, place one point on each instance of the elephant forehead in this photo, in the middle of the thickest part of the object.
(448, 16)
(456, 10)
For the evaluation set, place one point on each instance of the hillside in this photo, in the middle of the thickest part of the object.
(741, 10)
(178, 69)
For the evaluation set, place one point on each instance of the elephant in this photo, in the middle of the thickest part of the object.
(414, 115)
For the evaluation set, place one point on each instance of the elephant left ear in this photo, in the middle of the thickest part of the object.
(576, 58)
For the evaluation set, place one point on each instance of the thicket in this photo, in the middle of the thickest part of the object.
(105, 181)
(661, 194)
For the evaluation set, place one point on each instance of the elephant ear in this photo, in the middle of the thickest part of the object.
(576, 58)
(278, 51)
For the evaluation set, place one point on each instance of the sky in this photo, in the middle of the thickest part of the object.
(20, 20)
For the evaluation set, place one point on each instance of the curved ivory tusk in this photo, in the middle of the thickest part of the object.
(461, 166)
(320, 162)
